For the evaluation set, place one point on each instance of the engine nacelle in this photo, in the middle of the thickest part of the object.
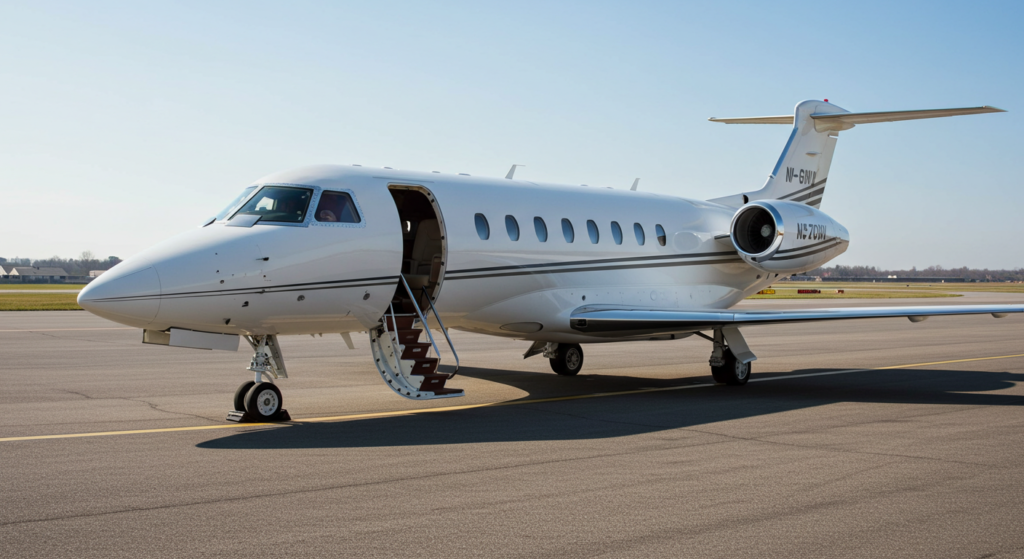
(786, 237)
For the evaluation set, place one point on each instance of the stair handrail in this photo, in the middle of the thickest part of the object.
(416, 307)
(393, 340)
(444, 331)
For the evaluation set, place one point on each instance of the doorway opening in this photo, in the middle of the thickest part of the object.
(424, 249)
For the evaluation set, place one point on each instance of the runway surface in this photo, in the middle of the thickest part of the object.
(859, 438)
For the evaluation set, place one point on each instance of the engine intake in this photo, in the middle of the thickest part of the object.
(786, 237)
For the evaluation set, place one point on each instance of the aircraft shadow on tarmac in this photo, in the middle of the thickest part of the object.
(619, 416)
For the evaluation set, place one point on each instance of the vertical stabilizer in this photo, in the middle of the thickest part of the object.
(802, 170)
(801, 173)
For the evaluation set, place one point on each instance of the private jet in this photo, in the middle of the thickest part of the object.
(396, 254)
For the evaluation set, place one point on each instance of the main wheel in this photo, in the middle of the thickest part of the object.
(569, 360)
(732, 372)
(240, 394)
(263, 400)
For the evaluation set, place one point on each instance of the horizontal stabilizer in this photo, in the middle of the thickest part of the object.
(784, 119)
(845, 121)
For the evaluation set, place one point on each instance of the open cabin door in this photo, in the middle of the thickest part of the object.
(424, 245)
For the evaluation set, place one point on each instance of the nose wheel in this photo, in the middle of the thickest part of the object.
(258, 402)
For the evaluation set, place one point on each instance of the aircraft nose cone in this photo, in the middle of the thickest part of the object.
(131, 297)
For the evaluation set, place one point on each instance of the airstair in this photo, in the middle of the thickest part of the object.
(403, 361)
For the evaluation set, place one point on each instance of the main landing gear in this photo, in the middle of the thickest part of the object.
(255, 400)
(731, 358)
(565, 359)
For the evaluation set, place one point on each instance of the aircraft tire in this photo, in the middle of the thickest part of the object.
(719, 374)
(734, 373)
(569, 361)
(264, 401)
(241, 393)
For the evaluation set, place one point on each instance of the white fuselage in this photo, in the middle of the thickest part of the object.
(316, 277)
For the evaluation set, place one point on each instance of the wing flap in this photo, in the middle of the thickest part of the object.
(622, 321)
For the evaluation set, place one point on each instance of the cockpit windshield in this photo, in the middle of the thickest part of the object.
(234, 203)
(286, 204)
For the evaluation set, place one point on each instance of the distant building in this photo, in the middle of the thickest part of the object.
(32, 272)
(802, 278)
(96, 273)
(895, 279)
(5, 270)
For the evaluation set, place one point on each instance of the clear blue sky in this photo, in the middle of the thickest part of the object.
(122, 124)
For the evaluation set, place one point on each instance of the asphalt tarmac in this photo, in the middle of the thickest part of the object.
(869, 438)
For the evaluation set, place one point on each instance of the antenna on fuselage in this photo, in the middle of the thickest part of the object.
(512, 171)
(636, 182)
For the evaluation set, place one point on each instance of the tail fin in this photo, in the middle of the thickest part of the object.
(802, 170)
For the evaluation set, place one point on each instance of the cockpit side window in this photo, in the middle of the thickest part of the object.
(336, 207)
(284, 204)
(234, 203)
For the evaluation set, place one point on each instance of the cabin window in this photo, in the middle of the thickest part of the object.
(283, 204)
(616, 233)
(661, 234)
(541, 228)
(512, 226)
(640, 237)
(482, 228)
(235, 203)
(592, 230)
(336, 207)
(567, 231)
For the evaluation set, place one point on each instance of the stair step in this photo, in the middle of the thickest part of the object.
(433, 382)
(404, 322)
(446, 391)
(408, 337)
(415, 350)
(424, 366)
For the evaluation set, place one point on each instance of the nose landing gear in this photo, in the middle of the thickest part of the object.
(257, 401)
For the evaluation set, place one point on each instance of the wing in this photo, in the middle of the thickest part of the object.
(607, 321)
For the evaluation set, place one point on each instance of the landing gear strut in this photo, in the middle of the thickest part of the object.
(730, 364)
(256, 400)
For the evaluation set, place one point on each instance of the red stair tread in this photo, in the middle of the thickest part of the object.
(404, 322)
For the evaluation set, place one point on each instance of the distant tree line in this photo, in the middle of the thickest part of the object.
(80, 266)
(971, 274)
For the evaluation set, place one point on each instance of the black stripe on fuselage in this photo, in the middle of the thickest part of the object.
(802, 190)
(805, 247)
(803, 254)
(449, 273)
(312, 286)
(813, 194)
(691, 262)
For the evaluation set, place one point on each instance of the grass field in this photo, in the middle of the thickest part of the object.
(40, 286)
(38, 302)
(829, 292)
(926, 287)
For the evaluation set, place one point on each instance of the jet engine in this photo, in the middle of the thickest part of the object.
(784, 237)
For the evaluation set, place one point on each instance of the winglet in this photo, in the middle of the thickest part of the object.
(512, 171)
(636, 181)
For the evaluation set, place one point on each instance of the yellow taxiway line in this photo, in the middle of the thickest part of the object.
(358, 416)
